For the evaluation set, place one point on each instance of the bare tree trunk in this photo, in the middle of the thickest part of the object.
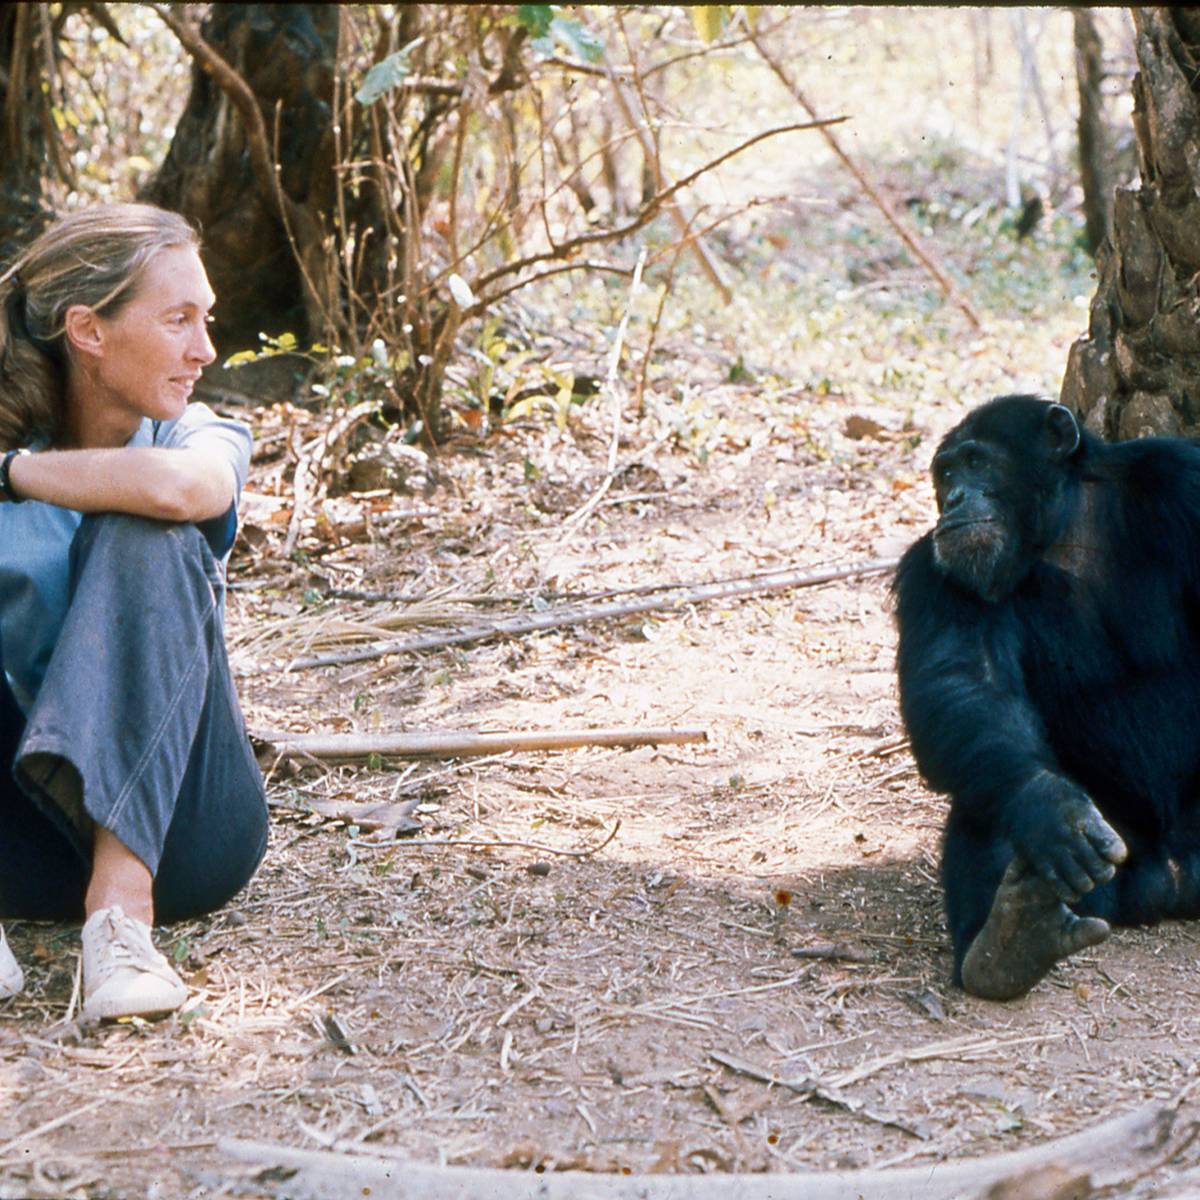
(286, 53)
(1137, 371)
(1094, 171)
(23, 57)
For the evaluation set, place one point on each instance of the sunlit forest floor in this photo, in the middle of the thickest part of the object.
(770, 895)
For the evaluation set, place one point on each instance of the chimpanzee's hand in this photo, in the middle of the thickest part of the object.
(1060, 833)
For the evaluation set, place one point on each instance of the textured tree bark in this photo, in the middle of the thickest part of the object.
(1094, 170)
(22, 135)
(1137, 371)
(286, 53)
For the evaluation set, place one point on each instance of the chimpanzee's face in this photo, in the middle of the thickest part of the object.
(977, 537)
(1001, 480)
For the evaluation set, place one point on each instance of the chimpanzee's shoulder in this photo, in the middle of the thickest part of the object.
(916, 562)
(1157, 488)
(1156, 463)
(1150, 451)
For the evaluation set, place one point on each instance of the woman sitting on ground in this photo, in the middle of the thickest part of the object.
(128, 789)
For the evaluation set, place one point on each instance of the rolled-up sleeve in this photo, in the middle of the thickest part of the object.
(201, 428)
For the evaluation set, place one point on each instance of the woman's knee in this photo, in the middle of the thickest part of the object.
(214, 845)
(190, 885)
(140, 535)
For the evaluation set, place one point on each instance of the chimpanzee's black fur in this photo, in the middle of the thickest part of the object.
(1049, 664)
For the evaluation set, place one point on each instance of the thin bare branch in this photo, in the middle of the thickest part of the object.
(910, 239)
(649, 211)
(584, 265)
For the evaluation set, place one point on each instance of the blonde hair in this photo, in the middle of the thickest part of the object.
(93, 257)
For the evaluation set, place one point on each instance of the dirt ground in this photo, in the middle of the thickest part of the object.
(769, 896)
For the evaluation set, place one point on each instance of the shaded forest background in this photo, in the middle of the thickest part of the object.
(379, 184)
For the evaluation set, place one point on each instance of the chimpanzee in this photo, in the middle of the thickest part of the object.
(1049, 670)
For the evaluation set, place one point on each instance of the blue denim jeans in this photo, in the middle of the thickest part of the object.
(136, 728)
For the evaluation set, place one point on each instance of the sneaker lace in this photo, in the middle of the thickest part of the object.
(127, 946)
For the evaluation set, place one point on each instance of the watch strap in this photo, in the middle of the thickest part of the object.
(6, 487)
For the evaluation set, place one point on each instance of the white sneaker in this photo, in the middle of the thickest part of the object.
(11, 978)
(123, 974)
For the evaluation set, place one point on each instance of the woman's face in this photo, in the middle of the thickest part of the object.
(144, 360)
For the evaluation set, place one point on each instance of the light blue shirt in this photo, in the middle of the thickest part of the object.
(35, 548)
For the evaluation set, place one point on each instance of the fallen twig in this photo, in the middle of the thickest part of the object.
(814, 1089)
(51, 1125)
(456, 744)
(782, 580)
(959, 1047)
(504, 843)
(829, 952)
(396, 817)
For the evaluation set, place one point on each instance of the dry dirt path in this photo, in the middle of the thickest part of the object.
(769, 899)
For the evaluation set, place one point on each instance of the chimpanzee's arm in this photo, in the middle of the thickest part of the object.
(976, 735)
(973, 730)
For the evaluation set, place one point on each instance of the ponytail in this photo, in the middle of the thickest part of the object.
(32, 375)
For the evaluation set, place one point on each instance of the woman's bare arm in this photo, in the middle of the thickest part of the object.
(189, 484)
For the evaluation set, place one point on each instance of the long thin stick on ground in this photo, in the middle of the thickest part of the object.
(455, 744)
(784, 580)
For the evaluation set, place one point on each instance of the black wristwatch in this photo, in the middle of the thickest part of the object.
(6, 487)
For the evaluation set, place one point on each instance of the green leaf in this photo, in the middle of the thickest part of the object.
(549, 31)
(384, 76)
(536, 18)
(576, 38)
(191, 1014)
(241, 358)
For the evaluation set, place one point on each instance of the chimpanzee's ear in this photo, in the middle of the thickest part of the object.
(1062, 433)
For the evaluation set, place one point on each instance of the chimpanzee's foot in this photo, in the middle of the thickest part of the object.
(1028, 930)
